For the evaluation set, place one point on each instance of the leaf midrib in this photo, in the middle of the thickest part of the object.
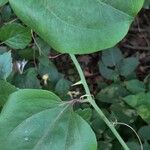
(20, 123)
(49, 129)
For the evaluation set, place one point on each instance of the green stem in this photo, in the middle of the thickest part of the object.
(92, 102)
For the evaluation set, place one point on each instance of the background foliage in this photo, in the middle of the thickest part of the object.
(118, 77)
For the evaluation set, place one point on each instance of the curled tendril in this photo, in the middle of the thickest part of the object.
(115, 123)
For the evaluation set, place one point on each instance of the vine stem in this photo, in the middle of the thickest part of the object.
(93, 103)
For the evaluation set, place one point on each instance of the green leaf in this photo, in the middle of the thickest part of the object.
(79, 26)
(27, 53)
(147, 4)
(15, 35)
(123, 113)
(27, 80)
(48, 67)
(86, 113)
(5, 90)
(38, 119)
(3, 2)
(97, 123)
(62, 87)
(128, 65)
(135, 86)
(141, 103)
(112, 93)
(133, 145)
(107, 73)
(104, 145)
(144, 132)
(111, 57)
(6, 13)
(146, 146)
(5, 65)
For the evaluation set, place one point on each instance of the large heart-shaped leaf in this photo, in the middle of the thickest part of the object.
(39, 120)
(78, 26)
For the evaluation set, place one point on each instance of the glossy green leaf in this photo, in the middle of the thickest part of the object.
(5, 90)
(5, 65)
(15, 35)
(39, 120)
(141, 102)
(2, 2)
(79, 26)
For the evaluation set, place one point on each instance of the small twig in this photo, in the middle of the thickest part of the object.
(11, 21)
(40, 51)
(83, 97)
(53, 57)
(34, 59)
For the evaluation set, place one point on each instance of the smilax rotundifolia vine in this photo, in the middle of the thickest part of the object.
(90, 99)
(73, 27)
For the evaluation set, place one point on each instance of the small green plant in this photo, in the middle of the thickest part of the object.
(33, 118)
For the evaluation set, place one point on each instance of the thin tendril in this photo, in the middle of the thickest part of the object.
(121, 123)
